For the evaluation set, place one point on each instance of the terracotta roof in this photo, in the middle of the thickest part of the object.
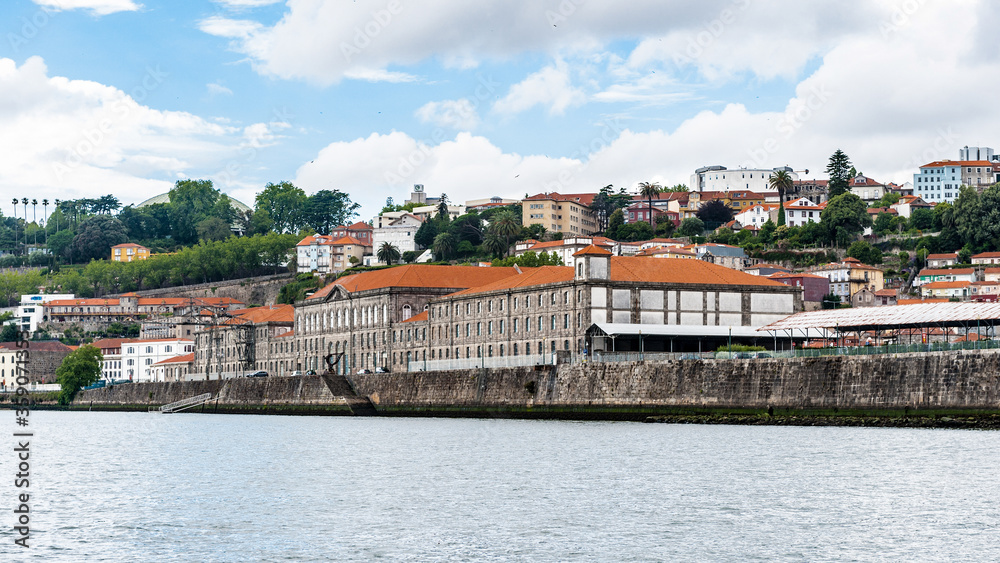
(945, 256)
(991, 271)
(946, 272)
(602, 241)
(942, 163)
(593, 251)
(657, 250)
(527, 278)
(417, 275)
(37, 346)
(916, 301)
(360, 226)
(80, 302)
(790, 275)
(810, 182)
(981, 283)
(421, 316)
(129, 245)
(182, 359)
(946, 285)
(286, 334)
(864, 181)
(986, 255)
(886, 293)
(346, 240)
(147, 340)
(105, 343)
(582, 199)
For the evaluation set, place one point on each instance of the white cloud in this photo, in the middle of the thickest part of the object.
(552, 87)
(97, 7)
(455, 114)
(237, 4)
(216, 89)
(229, 28)
(75, 138)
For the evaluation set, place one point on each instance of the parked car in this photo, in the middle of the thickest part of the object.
(257, 374)
(689, 357)
(743, 356)
(762, 355)
(381, 369)
(363, 371)
(311, 372)
(295, 373)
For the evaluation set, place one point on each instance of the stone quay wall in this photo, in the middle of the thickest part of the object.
(890, 385)
(261, 290)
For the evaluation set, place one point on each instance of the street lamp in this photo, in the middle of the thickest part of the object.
(730, 342)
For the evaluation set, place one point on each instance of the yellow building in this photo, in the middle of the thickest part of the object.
(129, 252)
(560, 213)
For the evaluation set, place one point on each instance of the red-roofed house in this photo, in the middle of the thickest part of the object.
(814, 288)
(947, 290)
(984, 290)
(930, 275)
(986, 258)
(866, 188)
(361, 231)
(851, 276)
(802, 211)
(565, 248)
(327, 254)
(942, 260)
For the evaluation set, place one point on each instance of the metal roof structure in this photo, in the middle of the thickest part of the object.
(921, 315)
(624, 329)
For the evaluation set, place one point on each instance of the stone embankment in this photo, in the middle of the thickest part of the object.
(943, 386)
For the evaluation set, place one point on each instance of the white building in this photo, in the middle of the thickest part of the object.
(399, 232)
(866, 188)
(802, 211)
(721, 179)
(940, 180)
(31, 310)
(138, 356)
(756, 215)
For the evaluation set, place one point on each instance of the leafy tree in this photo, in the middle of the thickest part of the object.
(865, 252)
(766, 234)
(494, 244)
(782, 182)
(213, 228)
(922, 219)
(191, 201)
(96, 236)
(327, 209)
(9, 333)
(664, 226)
(839, 171)
(506, 226)
(530, 259)
(80, 368)
(649, 190)
(635, 231)
(469, 228)
(691, 227)
(59, 243)
(388, 253)
(887, 200)
(844, 217)
(965, 255)
(442, 209)
(426, 234)
(410, 255)
(286, 205)
(615, 222)
(884, 223)
(715, 213)
(444, 246)
(675, 188)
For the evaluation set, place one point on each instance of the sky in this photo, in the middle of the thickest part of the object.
(479, 99)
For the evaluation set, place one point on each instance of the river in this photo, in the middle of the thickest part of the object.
(196, 487)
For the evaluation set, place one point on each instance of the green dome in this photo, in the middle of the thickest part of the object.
(165, 198)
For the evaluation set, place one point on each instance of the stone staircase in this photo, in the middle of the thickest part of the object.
(340, 386)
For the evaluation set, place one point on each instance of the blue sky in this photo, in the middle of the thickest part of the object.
(499, 97)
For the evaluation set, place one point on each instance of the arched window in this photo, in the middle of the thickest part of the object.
(407, 312)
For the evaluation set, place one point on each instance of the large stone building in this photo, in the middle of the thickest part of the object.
(36, 359)
(245, 342)
(721, 179)
(160, 317)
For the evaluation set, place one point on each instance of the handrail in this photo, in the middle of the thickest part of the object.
(178, 406)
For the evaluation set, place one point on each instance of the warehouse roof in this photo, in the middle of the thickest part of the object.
(892, 317)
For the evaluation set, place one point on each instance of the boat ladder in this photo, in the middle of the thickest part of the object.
(186, 403)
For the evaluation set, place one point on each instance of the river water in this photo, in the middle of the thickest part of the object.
(197, 487)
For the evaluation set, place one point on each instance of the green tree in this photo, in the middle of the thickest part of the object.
(327, 209)
(615, 222)
(782, 182)
(965, 255)
(191, 201)
(831, 301)
(442, 209)
(865, 252)
(922, 219)
(494, 244)
(839, 171)
(766, 234)
(714, 214)
(8, 333)
(426, 234)
(59, 243)
(506, 227)
(844, 217)
(285, 204)
(649, 190)
(691, 227)
(665, 226)
(884, 223)
(388, 253)
(530, 259)
(213, 228)
(444, 246)
(80, 368)
(96, 236)
(675, 188)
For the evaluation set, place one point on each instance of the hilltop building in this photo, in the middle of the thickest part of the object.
(129, 252)
(569, 214)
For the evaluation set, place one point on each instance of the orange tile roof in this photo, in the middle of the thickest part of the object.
(982, 283)
(916, 301)
(527, 278)
(592, 251)
(942, 163)
(789, 275)
(886, 293)
(346, 240)
(129, 245)
(657, 250)
(986, 255)
(81, 302)
(360, 226)
(417, 275)
(991, 271)
(946, 272)
(422, 316)
(945, 256)
(182, 359)
(946, 285)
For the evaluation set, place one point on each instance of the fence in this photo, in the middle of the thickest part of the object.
(474, 363)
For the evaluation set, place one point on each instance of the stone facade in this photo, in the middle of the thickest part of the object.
(40, 359)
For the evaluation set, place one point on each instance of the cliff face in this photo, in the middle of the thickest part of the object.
(931, 382)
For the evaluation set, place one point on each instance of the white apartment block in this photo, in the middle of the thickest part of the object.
(802, 211)
(399, 232)
(722, 179)
(138, 356)
(940, 181)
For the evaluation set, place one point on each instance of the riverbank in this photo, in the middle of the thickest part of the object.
(945, 389)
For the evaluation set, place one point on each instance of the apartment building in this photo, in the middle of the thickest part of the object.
(138, 356)
(569, 214)
(722, 179)
(851, 276)
(940, 180)
(129, 252)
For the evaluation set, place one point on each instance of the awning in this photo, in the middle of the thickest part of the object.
(921, 315)
(624, 329)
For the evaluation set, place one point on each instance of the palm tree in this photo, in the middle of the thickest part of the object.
(45, 210)
(24, 201)
(505, 226)
(495, 244)
(15, 224)
(781, 181)
(648, 190)
(388, 253)
(444, 246)
(57, 216)
(34, 217)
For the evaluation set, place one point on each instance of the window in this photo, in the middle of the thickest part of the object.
(515, 328)
(489, 327)
(479, 329)
(501, 326)
(541, 326)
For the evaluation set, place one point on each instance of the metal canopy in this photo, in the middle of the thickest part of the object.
(922, 315)
(624, 329)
